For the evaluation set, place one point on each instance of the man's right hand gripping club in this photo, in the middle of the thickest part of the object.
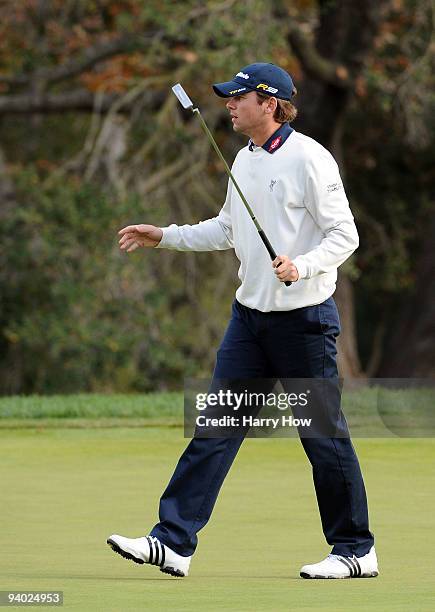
(135, 236)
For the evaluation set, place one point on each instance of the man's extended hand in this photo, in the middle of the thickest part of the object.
(135, 236)
(285, 269)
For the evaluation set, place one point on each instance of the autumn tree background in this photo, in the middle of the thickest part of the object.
(92, 139)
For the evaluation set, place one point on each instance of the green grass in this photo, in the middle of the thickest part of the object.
(92, 406)
(88, 410)
(64, 491)
(370, 411)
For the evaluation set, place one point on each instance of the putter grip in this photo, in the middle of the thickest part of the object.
(271, 251)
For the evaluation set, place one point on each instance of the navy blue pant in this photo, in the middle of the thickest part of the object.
(291, 344)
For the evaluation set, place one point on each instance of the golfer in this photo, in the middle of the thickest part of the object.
(294, 187)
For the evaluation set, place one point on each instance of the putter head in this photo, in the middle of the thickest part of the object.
(182, 96)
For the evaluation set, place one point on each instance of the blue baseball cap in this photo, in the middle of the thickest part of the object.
(264, 78)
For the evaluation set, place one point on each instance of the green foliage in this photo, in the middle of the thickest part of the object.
(77, 314)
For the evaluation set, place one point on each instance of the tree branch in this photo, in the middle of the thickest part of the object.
(7, 190)
(101, 51)
(91, 56)
(313, 63)
(75, 100)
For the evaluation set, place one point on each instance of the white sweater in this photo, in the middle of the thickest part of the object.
(298, 198)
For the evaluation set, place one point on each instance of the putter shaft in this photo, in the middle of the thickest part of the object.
(186, 102)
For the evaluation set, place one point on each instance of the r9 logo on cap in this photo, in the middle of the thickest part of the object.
(267, 88)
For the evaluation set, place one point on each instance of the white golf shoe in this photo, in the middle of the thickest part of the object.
(338, 566)
(150, 550)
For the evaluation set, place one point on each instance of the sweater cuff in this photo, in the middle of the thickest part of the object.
(301, 267)
(169, 238)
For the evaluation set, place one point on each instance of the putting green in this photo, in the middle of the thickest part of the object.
(65, 490)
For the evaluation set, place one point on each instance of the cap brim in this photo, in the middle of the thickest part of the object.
(229, 89)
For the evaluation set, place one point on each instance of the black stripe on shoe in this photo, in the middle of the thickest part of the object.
(354, 565)
(150, 544)
(358, 566)
(158, 553)
(347, 562)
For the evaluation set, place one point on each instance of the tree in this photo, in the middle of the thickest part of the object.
(332, 57)
(91, 130)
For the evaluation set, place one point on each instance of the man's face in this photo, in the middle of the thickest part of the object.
(246, 114)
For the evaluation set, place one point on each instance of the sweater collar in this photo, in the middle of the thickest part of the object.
(274, 142)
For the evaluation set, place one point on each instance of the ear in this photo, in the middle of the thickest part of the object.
(271, 105)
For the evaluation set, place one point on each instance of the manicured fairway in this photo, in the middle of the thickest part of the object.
(63, 491)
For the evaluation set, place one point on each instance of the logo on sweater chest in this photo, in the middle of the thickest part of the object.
(272, 184)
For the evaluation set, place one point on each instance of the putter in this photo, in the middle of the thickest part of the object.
(187, 103)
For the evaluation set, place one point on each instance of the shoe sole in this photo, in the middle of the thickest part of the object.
(166, 570)
(309, 576)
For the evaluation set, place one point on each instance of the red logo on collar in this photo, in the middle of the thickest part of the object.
(275, 144)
